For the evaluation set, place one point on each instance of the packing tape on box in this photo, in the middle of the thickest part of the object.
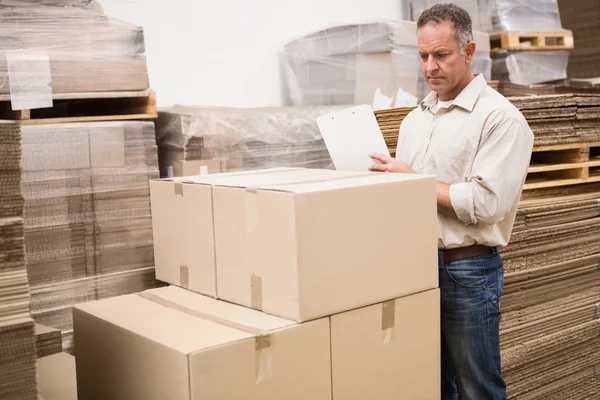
(29, 78)
(263, 341)
(256, 292)
(184, 276)
(388, 321)
(178, 187)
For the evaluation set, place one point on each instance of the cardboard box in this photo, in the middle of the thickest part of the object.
(389, 350)
(306, 250)
(182, 221)
(170, 343)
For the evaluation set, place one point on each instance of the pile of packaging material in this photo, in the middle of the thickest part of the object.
(200, 140)
(69, 45)
(350, 64)
(550, 312)
(583, 18)
(87, 223)
(87, 210)
(48, 341)
(56, 377)
(303, 310)
(17, 337)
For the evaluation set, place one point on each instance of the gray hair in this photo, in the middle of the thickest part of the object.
(458, 16)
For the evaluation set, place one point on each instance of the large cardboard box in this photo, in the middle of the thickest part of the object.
(306, 250)
(389, 350)
(170, 343)
(183, 226)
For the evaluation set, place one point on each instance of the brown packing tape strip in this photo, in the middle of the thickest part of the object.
(178, 187)
(388, 315)
(256, 292)
(184, 276)
(263, 339)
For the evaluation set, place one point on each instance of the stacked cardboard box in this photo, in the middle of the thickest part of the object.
(348, 64)
(17, 338)
(583, 18)
(197, 140)
(307, 313)
(71, 45)
(48, 341)
(87, 211)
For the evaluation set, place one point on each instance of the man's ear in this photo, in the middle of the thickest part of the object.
(470, 51)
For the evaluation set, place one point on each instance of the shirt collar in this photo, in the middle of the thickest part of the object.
(466, 99)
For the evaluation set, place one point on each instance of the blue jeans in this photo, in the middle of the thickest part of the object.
(470, 307)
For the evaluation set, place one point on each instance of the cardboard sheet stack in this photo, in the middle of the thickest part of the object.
(583, 18)
(88, 227)
(305, 312)
(48, 341)
(349, 64)
(389, 122)
(69, 45)
(200, 140)
(549, 330)
(17, 338)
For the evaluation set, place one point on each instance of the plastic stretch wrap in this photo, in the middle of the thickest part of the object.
(502, 15)
(87, 201)
(66, 46)
(479, 10)
(214, 139)
(348, 64)
(530, 67)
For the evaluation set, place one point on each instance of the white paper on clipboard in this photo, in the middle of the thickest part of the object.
(351, 135)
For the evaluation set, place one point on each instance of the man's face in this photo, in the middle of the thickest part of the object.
(442, 63)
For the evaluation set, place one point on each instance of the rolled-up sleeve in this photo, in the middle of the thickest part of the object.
(497, 174)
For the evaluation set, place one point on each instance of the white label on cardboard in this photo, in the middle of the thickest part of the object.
(29, 78)
(204, 170)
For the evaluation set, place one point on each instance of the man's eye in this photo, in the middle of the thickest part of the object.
(444, 55)
(423, 57)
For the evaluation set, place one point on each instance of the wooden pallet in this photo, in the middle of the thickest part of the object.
(86, 107)
(563, 165)
(562, 40)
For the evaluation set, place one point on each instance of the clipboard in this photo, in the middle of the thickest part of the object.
(350, 136)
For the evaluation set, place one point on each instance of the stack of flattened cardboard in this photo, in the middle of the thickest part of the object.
(588, 117)
(200, 140)
(87, 211)
(48, 341)
(305, 313)
(551, 117)
(17, 338)
(549, 330)
(70, 44)
(389, 122)
(583, 18)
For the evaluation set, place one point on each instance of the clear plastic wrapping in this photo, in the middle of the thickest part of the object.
(530, 67)
(87, 201)
(218, 139)
(502, 15)
(67, 46)
(348, 64)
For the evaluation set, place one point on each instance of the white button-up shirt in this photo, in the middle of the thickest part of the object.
(481, 146)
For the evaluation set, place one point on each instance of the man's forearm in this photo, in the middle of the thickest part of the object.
(443, 199)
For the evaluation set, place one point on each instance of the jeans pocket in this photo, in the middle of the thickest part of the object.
(467, 273)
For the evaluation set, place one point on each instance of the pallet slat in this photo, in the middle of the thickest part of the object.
(86, 107)
(562, 40)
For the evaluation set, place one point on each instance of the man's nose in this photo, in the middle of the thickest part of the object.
(432, 64)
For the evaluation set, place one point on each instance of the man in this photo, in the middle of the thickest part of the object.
(478, 146)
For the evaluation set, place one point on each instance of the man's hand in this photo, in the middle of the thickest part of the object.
(389, 164)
